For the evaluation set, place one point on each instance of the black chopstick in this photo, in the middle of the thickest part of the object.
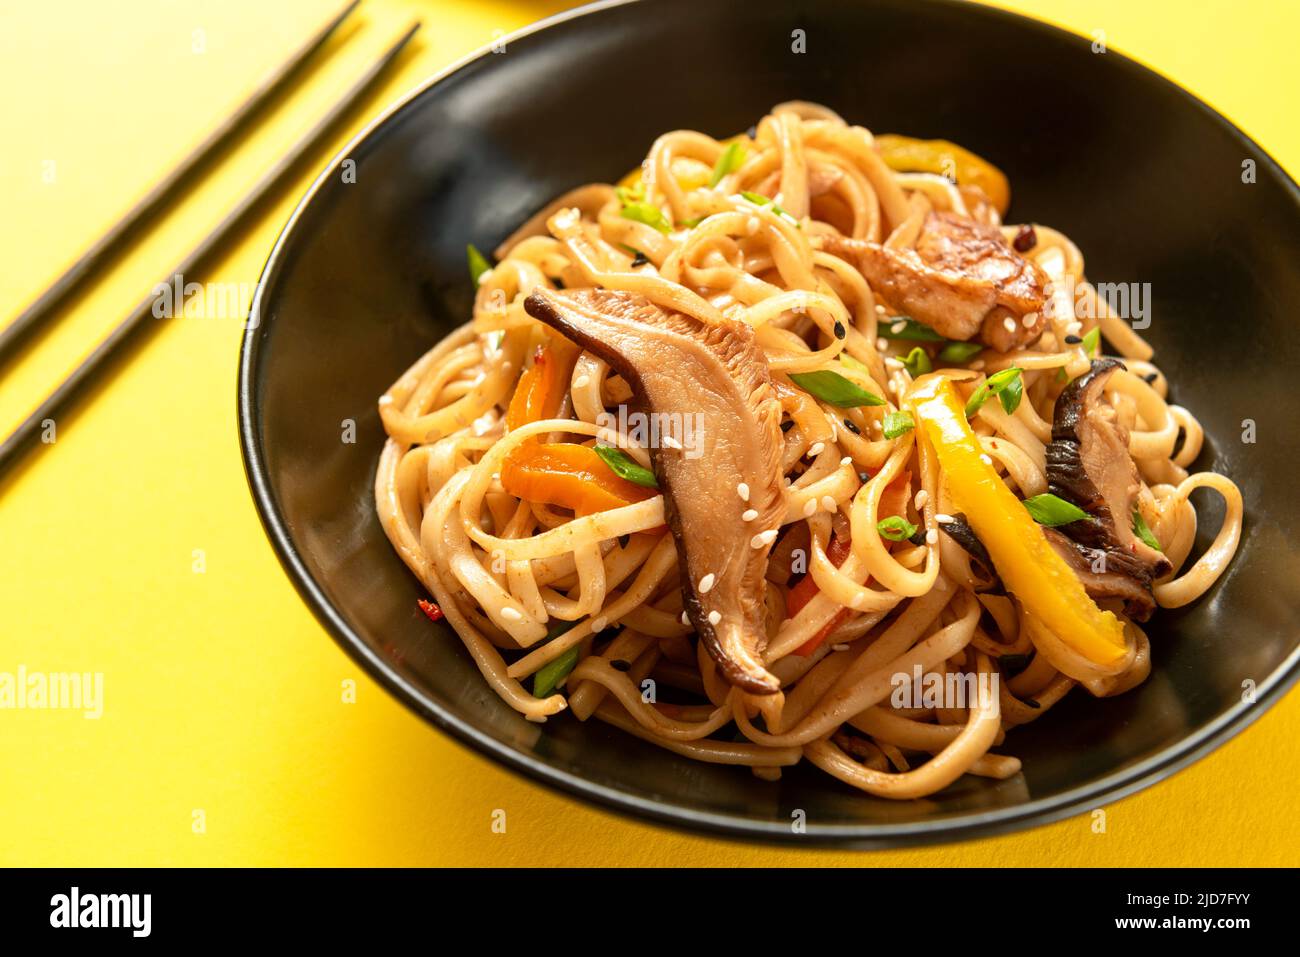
(112, 242)
(22, 436)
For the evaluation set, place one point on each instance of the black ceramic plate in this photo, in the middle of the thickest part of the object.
(1145, 178)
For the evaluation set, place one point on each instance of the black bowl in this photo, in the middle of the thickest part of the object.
(1148, 180)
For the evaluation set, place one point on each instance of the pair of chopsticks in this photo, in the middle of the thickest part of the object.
(111, 243)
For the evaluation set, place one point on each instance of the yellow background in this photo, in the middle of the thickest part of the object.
(222, 693)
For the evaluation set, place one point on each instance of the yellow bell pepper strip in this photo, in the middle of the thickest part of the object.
(908, 155)
(568, 476)
(542, 387)
(1029, 566)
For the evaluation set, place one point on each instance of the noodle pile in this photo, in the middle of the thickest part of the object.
(528, 586)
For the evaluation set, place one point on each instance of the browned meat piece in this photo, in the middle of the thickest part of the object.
(679, 366)
(1088, 463)
(962, 279)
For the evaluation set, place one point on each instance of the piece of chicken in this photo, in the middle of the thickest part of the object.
(962, 279)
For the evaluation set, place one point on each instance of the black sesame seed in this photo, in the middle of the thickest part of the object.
(864, 477)
(1026, 239)
(787, 425)
(639, 259)
(623, 540)
(1073, 340)
(840, 331)
(1151, 377)
(618, 664)
(852, 428)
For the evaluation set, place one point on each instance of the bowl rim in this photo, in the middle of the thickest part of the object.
(951, 828)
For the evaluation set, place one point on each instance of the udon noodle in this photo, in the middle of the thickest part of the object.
(869, 580)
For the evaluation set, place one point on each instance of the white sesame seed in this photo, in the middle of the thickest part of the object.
(763, 539)
(749, 515)
(810, 508)
(496, 476)
(932, 537)
(484, 276)
(893, 363)
(743, 491)
(385, 400)
(715, 617)
(1009, 324)
(686, 619)
(880, 310)
(511, 614)
(986, 460)
(898, 327)
(582, 381)
(1029, 320)
(882, 345)
(705, 584)
(921, 498)
(670, 443)
(847, 460)
(599, 624)
(839, 647)
(1074, 328)
(828, 503)
(817, 449)
(943, 519)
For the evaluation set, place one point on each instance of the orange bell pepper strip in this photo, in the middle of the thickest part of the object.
(893, 501)
(1029, 566)
(806, 589)
(907, 155)
(542, 387)
(568, 476)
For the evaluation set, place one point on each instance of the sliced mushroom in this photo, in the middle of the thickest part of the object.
(1088, 464)
(1108, 573)
(958, 529)
(962, 279)
(724, 501)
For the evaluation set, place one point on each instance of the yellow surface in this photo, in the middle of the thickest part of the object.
(222, 695)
